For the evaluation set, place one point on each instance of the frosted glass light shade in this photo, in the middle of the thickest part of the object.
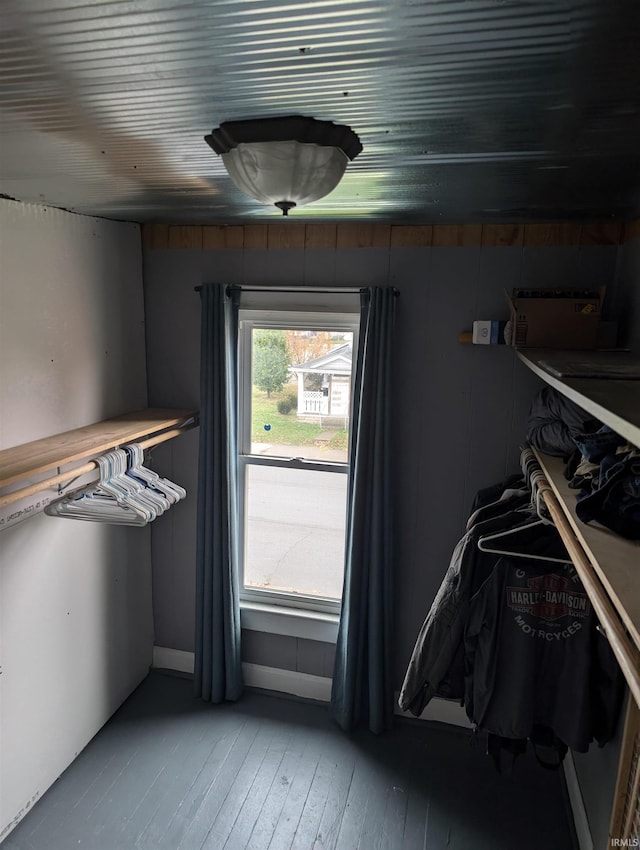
(285, 172)
(286, 161)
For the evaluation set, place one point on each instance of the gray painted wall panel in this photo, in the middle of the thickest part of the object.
(555, 266)
(172, 318)
(411, 466)
(597, 268)
(288, 653)
(270, 650)
(254, 264)
(222, 266)
(174, 544)
(282, 265)
(320, 267)
(362, 267)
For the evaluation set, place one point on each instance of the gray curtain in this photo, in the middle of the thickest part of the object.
(362, 691)
(218, 668)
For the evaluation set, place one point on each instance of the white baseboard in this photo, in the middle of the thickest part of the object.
(255, 675)
(319, 688)
(302, 685)
(578, 810)
(172, 659)
(440, 711)
(287, 682)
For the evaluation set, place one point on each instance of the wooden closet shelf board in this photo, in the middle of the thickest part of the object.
(616, 403)
(615, 560)
(21, 462)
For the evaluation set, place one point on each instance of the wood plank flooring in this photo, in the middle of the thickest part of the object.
(172, 773)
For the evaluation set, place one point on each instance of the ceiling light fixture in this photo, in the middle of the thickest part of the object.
(287, 161)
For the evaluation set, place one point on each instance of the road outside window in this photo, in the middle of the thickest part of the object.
(294, 443)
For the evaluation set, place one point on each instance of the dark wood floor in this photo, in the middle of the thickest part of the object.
(172, 773)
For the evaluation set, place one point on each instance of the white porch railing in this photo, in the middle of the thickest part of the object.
(314, 401)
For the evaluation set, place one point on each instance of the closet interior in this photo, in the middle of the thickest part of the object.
(79, 606)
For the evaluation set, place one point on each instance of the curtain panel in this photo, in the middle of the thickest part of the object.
(218, 665)
(362, 690)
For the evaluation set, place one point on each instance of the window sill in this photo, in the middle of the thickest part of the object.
(294, 622)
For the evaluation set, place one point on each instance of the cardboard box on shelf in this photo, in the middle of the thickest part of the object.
(554, 318)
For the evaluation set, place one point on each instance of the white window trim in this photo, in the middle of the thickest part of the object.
(264, 610)
(289, 621)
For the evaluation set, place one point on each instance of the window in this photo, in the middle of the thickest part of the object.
(295, 372)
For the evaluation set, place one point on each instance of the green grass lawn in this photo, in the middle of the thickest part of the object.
(286, 429)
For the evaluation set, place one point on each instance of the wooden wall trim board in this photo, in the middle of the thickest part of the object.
(223, 236)
(632, 230)
(155, 236)
(289, 234)
(502, 235)
(255, 236)
(363, 235)
(457, 235)
(296, 234)
(185, 236)
(552, 233)
(411, 236)
(602, 233)
(320, 236)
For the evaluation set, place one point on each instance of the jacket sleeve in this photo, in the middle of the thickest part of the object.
(441, 634)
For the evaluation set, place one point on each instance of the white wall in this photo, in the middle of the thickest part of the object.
(76, 629)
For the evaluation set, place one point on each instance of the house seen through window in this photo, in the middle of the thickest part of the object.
(295, 401)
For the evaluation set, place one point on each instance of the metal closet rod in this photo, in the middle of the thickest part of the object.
(346, 290)
(90, 465)
(623, 648)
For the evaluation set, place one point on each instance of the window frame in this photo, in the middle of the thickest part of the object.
(248, 321)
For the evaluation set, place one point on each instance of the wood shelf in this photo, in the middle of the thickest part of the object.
(607, 563)
(31, 459)
(614, 402)
(615, 560)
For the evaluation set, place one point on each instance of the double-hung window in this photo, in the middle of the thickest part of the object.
(295, 389)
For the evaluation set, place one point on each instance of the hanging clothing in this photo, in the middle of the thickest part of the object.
(534, 657)
(436, 666)
(514, 639)
(605, 470)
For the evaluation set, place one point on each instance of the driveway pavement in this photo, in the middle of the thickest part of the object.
(295, 528)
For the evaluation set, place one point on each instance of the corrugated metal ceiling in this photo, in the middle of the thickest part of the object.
(468, 110)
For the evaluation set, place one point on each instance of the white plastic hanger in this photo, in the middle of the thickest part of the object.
(126, 494)
(538, 485)
(101, 502)
(172, 491)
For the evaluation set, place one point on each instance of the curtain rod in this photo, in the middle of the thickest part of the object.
(346, 290)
